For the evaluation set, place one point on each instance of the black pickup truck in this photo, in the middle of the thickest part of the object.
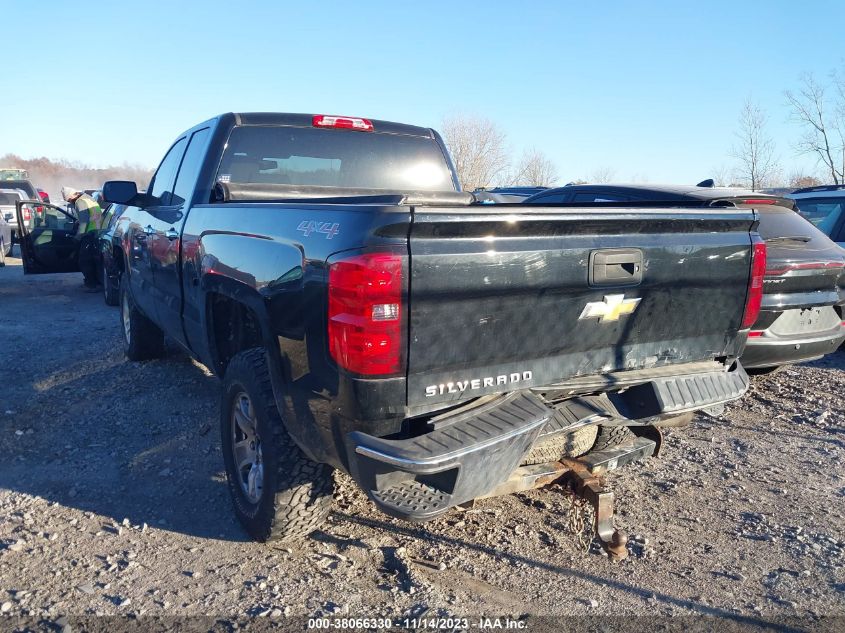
(365, 314)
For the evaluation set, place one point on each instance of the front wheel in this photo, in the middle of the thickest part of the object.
(278, 493)
(142, 339)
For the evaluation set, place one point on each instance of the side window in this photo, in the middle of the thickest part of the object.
(44, 217)
(191, 165)
(162, 183)
(599, 197)
(553, 198)
(841, 237)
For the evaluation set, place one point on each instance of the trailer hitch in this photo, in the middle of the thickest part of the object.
(593, 489)
(584, 478)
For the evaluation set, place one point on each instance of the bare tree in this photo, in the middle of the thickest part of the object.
(800, 179)
(823, 122)
(534, 170)
(51, 175)
(602, 175)
(478, 149)
(755, 150)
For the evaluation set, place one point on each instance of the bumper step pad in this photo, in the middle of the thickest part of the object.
(421, 477)
(665, 396)
(413, 498)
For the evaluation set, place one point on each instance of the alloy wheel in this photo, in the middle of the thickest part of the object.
(246, 448)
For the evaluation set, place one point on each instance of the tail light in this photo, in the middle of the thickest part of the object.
(772, 272)
(755, 282)
(343, 122)
(366, 314)
(27, 214)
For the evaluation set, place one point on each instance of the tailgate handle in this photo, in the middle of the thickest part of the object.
(616, 267)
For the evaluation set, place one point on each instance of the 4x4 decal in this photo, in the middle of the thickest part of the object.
(307, 227)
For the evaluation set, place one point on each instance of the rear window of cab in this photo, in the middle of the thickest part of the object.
(285, 155)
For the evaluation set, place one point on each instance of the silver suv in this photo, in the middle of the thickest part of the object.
(8, 197)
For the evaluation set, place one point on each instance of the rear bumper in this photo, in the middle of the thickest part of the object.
(469, 454)
(770, 351)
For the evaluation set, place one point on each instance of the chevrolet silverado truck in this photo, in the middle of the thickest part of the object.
(365, 314)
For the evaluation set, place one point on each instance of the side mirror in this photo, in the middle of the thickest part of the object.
(120, 191)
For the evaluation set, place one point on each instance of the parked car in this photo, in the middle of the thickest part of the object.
(8, 198)
(824, 207)
(365, 314)
(47, 243)
(30, 193)
(111, 267)
(12, 173)
(802, 311)
(5, 240)
(502, 195)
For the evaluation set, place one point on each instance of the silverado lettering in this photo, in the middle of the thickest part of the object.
(477, 383)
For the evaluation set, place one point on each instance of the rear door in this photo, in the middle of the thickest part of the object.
(517, 298)
(47, 236)
(140, 233)
(165, 246)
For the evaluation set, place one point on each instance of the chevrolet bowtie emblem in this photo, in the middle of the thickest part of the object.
(613, 307)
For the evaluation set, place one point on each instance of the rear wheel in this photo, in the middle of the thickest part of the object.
(278, 493)
(764, 371)
(142, 339)
(553, 447)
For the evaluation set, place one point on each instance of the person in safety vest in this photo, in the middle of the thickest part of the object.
(90, 215)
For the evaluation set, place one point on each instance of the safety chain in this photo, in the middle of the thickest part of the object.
(580, 519)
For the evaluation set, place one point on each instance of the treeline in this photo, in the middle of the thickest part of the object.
(52, 175)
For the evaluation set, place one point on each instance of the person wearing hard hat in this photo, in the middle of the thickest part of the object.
(89, 214)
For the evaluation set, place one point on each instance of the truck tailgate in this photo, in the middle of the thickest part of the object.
(516, 298)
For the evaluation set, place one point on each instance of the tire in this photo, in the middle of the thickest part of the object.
(610, 436)
(277, 492)
(142, 339)
(764, 371)
(553, 447)
(111, 290)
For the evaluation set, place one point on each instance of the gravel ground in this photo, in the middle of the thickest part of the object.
(112, 501)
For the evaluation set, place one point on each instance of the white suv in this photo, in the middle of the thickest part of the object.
(825, 207)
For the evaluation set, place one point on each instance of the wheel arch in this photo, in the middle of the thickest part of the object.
(237, 319)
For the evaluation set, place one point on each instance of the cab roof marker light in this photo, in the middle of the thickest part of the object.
(342, 122)
(759, 201)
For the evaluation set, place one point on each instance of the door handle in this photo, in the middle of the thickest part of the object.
(172, 233)
(149, 230)
(616, 267)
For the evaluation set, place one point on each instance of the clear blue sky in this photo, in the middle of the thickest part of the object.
(650, 89)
